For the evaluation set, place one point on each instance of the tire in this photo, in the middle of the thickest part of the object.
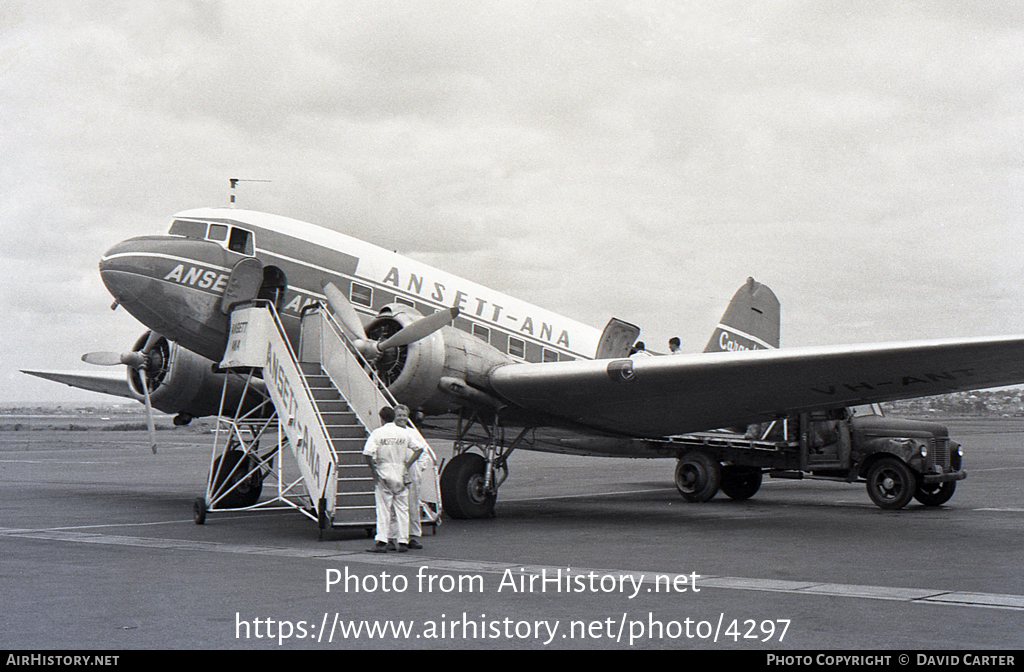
(935, 494)
(245, 493)
(199, 511)
(462, 482)
(741, 482)
(697, 477)
(891, 484)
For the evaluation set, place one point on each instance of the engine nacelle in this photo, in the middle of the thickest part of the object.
(182, 382)
(439, 373)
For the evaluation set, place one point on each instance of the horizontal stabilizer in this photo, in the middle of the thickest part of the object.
(114, 384)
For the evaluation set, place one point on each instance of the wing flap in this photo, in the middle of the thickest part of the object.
(659, 396)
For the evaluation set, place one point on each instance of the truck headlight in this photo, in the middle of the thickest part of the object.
(924, 450)
(960, 451)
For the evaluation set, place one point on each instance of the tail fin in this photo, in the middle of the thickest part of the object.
(751, 322)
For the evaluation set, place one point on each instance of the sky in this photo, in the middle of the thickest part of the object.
(630, 159)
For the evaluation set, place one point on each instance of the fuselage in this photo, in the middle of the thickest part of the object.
(175, 284)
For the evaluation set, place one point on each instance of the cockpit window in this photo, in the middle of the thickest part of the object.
(241, 241)
(183, 227)
(218, 232)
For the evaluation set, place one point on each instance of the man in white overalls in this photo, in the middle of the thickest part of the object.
(390, 451)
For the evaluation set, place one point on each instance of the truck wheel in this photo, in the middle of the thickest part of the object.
(698, 477)
(935, 494)
(740, 482)
(891, 483)
(462, 488)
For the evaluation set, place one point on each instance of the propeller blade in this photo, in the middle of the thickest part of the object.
(150, 424)
(136, 360)
(420, 329)
(344, 311)
(151, 341)
(102, 358)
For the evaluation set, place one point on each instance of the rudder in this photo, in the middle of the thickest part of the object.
(750, 322)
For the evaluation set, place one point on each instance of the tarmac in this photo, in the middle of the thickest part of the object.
(98, 551)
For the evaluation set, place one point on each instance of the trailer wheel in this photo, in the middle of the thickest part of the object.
(741, 482)
(697, 477)
(891, 484)
(935, 494)
(462, 488)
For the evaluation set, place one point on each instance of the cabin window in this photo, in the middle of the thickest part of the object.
(240, 241)
(183, 227)
(218, 232)
(361, 294)
(405, 302)
(550, 355)
(482, 332)
(516, 347)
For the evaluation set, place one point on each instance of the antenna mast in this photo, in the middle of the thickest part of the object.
(233, 181)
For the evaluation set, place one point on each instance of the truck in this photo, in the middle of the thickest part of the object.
(897, 459)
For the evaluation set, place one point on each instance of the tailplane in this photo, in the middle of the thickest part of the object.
(751, 322)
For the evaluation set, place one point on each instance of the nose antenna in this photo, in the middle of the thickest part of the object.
(234, 183)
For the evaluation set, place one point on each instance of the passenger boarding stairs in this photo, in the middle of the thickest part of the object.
(326, 401)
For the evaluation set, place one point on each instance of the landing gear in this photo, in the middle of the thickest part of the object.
(698, 477)
(236, 476)
(741, 482)
(470, 481)
(935, 494)
(199, 511)
(891, 484)
(463, 489)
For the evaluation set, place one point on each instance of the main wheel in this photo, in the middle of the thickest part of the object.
(244, 492)
(891, 483)
(935, 494)
(741, 482)
(462, 488)
(698, 477)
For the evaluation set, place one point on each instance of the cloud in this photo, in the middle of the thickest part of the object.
(607, 158)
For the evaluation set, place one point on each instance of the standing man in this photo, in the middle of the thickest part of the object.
(428, 460)
(673, 346)
(390, 451)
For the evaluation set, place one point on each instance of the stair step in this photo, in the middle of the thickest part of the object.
(349, 499)
(356, 485)
(346, 432)
(322, 394)
(350, 458)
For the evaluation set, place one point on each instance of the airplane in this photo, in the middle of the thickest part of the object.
(502, 363)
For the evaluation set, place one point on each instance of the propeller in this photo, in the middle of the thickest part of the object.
(370, 349)
(144, 361)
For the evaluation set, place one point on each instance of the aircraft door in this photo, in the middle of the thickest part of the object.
(616, 339)
(243, 284)
(273, 287)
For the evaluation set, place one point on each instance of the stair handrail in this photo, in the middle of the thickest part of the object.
(365, 363)
(276, 318)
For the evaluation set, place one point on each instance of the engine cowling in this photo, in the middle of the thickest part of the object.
(182, 382)
(439, 373)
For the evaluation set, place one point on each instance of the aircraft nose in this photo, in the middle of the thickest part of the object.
(121, 268)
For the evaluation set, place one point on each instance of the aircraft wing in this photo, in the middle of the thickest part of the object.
(111, 383)
(660, 396)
